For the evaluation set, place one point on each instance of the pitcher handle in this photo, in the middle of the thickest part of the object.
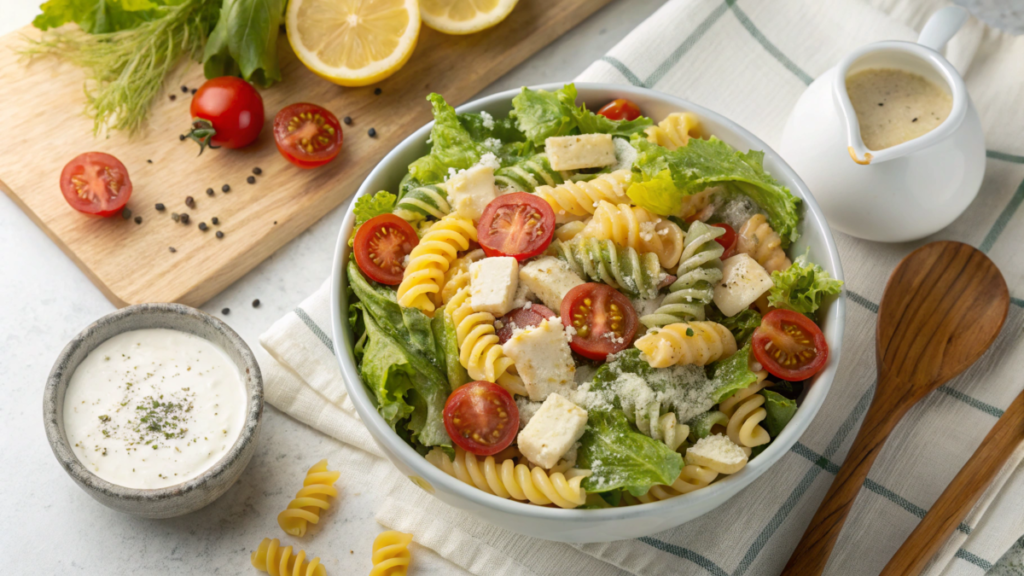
(942, 26)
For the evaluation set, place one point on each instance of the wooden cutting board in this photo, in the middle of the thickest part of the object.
(44, 128)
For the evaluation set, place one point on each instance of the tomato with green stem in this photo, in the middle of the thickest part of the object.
(226, 112)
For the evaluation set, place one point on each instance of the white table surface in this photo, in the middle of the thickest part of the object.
(50, 526)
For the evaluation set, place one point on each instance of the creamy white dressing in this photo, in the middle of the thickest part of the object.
(152, 408)
(894, 106)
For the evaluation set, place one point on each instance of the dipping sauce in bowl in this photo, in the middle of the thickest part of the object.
(894, 106)
(154, 407)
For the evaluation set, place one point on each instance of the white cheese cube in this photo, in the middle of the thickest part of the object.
(552, 431)
(470, 191)
(743, 282)
(493, 283)
(543, 359)
(718, 453)
(583, 151)
(550, 279)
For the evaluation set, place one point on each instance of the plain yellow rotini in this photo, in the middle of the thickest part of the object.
(310, 500)
(637, 228)
(457, 276)
(430, 259)
(569, 230)
(510, 480)
(692, 478)
(391, 555)
(577, 200)
(479, 351)
(699, 343)
(675, 130)
(757, 239)
(745, 412)
(277, 561)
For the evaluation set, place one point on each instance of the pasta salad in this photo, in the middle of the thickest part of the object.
(584, 309)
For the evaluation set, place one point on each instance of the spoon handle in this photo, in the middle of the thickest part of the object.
(961, 494)
(812, 553)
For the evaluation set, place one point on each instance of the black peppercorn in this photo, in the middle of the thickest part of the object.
(184, 89)
(202, 226)
(209, 191)
(184, 218)
(225, 188)
(251, 179)
(256, 303)
(193, 91)
(347, 120)
(150, 161)
(181, 137)
(372, 132)
(377, 91)
(226, 311)
(126, 214)
(173, 97)
(172, 249)
(190, 202)
(159, 207)
(220, 234)
(257, 171)
(138, 219)
(215, 220)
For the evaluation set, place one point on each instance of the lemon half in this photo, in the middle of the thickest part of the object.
(464, 16)
(353, 42)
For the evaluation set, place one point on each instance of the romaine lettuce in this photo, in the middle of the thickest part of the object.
(541, 114)
(742, 325)
(620, 457)
(451, 145)
(732, 374)
(801, 287)
(780, 411)
(662, 177)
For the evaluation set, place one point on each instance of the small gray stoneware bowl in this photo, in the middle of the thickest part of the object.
(181, 498)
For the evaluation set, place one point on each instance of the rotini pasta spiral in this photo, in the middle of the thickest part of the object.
(577, 200)
(430, 259)
(528, 175)
(310, 500)
(697, 343)
(692, 478)
(745, 412)
(670, 431)
(675, 130)
(391, 555)
(510, 480)
(620, 267)
(637, 228)
(421, 202)
(700, 269)
(757, 239)
(457, 276)
(277, 561)
(479, 351)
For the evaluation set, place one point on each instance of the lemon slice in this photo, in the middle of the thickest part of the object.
(464, 16)
(353, 42)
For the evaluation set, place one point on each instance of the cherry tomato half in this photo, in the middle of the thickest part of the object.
(522, 318)
(727, 240)
(381, 245)
(307, 135)
(604, 320)
(226, 111)
(96, 183)
(481, 417)
(620, 109)
(519, 225)
(790, 346)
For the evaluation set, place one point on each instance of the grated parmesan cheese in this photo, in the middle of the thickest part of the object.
(527, 409)
(488, 120)
(489, 160)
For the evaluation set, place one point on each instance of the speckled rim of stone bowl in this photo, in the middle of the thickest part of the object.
(187, 496)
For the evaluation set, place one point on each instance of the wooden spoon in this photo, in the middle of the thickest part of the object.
(943, 307)
(961, 494)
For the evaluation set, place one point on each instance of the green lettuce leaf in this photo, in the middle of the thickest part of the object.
(541, 114)
(451, 145)
(801, 287)
(742, 325)
(98, 16)
(780, 411)
(448, 342)
(732, 374)
(244, 41)
(662, 177)
(620, 457)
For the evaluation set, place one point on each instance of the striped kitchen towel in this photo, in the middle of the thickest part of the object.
(750, 60)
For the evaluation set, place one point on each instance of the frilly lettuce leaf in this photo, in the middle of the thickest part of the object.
(620, 457)
(801, 287)
(732, 374)
(541, 114)
(98, 16)
(451, 145)
(742, 325)
(662, 177)
(780, 411)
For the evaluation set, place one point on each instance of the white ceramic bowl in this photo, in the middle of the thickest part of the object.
(607, 524)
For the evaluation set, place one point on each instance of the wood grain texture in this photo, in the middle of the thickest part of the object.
(961, 495)
(943, 306)
(45, 128)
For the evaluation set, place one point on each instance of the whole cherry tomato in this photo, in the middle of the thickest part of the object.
(226, 112)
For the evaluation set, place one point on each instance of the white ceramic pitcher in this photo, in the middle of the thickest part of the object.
(900, 193)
